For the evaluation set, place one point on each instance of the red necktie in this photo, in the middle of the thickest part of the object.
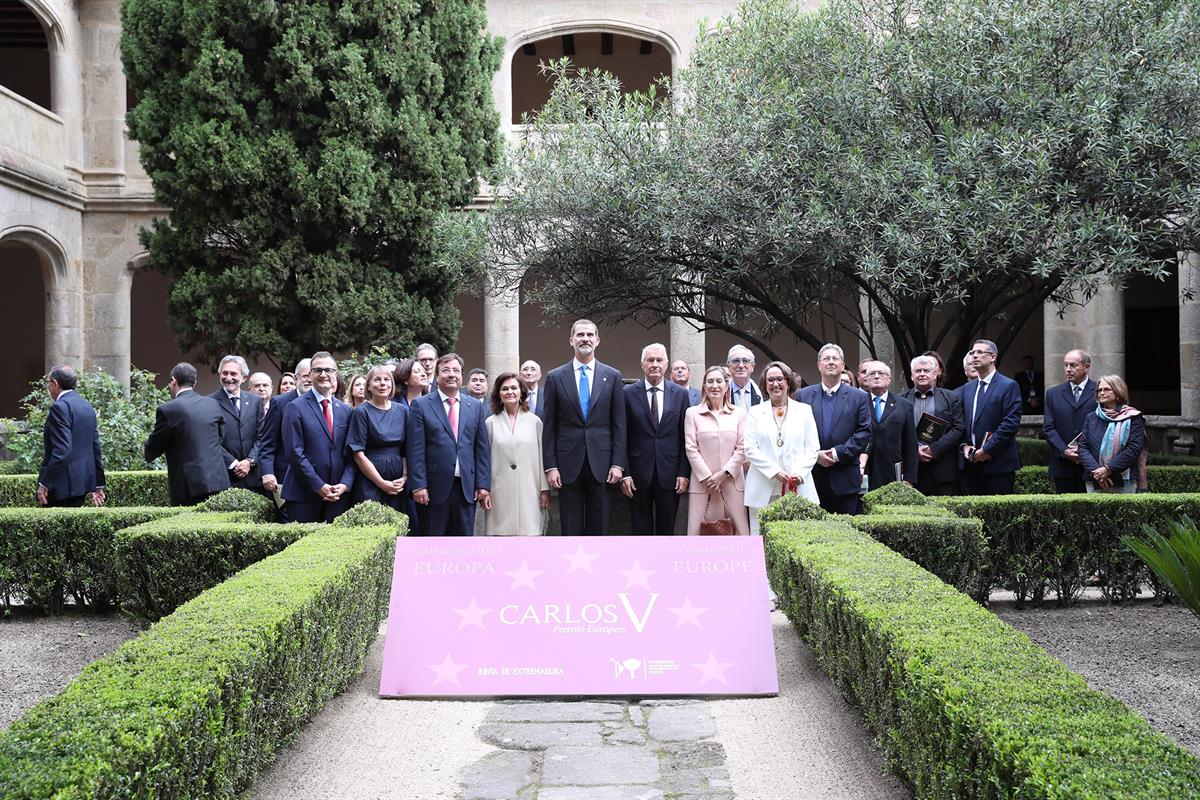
(328, 416)
(453, 401)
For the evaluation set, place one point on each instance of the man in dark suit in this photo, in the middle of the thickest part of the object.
(681, 374)
(658, 467)
(71, 465)
(893, 431)
(937, 470)
(1033, 387)
(189, 429)
(583, 434)
(449, 454)
(273, 451)
(992, 413)
(243, 424)
(1068, 405)
(743, 392)
(844, 429)
(531, 376)
(320, 474)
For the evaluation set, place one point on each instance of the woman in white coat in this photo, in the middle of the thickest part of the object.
(520, 493)
(781, 443)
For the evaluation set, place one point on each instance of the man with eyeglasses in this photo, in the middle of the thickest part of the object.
(317, 486)
(992, 411)
(844, 429)
(743, 392)
(892, 454)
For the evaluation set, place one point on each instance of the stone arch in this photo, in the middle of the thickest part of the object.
(31, 41)
(31, 264)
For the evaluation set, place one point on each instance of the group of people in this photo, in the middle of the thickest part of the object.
(428, 438)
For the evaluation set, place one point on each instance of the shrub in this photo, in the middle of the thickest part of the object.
(258, 506)
(1033, 452)
(953, 548)
(964, 706)
(893, 494)
(373, 513)
(49, 555)
(1175, 560)
(1034, 480)
(125, 489)
(793, 507)
(198, 704)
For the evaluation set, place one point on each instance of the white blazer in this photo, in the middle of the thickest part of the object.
(797, 456)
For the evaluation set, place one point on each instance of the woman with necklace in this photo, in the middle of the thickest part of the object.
(376, 439)
(781, 443)
(520, 492)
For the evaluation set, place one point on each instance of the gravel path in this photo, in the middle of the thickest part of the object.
(1145, 656)
(39, 655)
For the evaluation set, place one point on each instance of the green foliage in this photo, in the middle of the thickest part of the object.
(48, 556)
(315, 144)
(357, 364)
(373, 514)
(956, 162)
(259, 507)
(1033, 452)
(125, 489)
(10, 467)
(1177, 479)
(790, 507)
(893, 494)
(1175, 558)
(198, 704)
(962, 704)
(123, 422)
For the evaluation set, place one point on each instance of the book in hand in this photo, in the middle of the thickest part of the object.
(931, 428)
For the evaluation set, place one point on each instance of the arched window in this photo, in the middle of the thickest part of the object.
(24, 53)
(23, 325)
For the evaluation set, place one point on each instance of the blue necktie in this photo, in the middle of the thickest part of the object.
(585, 392)
(878, 408)
(827, 413)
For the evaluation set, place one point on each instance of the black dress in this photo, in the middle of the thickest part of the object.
(379, 435)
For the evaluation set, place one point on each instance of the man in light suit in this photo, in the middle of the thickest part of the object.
(531, 376)
(315, 424)
(844, 424)
(937, 470)
(1068, 405)
(72, 469)
(583, 438)
(893, 431)
(449, 454)
(681, 373)
(658, 467)
(189, 429)
(992, 413)
(743, 392)
(243, 424)
(273, 450)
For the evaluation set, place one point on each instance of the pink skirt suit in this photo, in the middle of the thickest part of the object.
(713, 441)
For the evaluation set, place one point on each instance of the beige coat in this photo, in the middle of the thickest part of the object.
(517, 476)
(713, 442)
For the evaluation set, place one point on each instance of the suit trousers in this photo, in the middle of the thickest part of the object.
(67, 502)
(454, 517)
(583, 505)
(833, 503)
(652, 510)
(319, 511)
(976, 482)
(1072, 485)
(929, 487)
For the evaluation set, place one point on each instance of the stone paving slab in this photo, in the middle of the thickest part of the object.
(552, 711)
(681, 723)
(540, 735)
(599, 766)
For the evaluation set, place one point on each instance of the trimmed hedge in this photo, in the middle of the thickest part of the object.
(952, 548)
(124, 489)
(201, 702)
(893, 494)
(1036, 453)
(964, 705)
(1160, 480)
(48, 555)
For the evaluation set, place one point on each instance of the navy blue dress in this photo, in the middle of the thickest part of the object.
(379, 435)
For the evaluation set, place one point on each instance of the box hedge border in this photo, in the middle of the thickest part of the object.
(200, 703)
(964, 705)
(123, 489)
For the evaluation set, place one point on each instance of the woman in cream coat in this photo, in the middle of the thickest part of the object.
(781, 442)
(520, 494)
(712, 438)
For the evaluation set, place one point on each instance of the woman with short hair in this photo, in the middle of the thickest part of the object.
(376, 439)
(1113, 445)
(781, 443)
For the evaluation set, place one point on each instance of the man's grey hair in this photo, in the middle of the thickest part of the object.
(241, 362)
(991, 346)
(966, 361)
(1084, 355)
(831, 346)
(64, 375)
(425, 346)
(303, 364)
(654, 346)
(739, 348)
(929, 361)
(265, 375)
(874, 361)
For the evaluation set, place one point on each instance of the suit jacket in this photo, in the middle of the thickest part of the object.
(567, 437)
(756, 395)
(1063, 421)
(189, 429)
(272, 449)
(693, 396)
(948, 406)
(998, 413)
(797, 457)
(71, 466)
(715, 442)
(243, 435)
(539, 402)
(315, 458)
(893, 441)
(1031, 389)
(656, 452)
(849, 433)
(433, 448)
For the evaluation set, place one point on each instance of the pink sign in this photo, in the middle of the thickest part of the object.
(557, 615)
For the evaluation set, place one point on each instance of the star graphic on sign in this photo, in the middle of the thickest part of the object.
(471, 615)
(580, 559)
(448, 671)
(712, 670)
(636, 576)
(687, 614)
(523, 576)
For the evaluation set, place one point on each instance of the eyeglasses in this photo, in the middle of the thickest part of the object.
(981, 353)
(324, 370)
(741, 361)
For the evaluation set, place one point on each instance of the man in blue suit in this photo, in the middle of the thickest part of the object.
(319, 476)
(273, 450)
(71, 466)
(583, 434)
(681, 374)
(658, 467)
(844, 428)
(1068, 405)
(449, 454)
(992, 410)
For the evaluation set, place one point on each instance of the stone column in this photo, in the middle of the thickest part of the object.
(103, 121)
(1097, 326)
(66, 90)
(687, 343)
(501, 330)
(1189, 337)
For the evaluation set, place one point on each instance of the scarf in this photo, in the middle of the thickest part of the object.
(1116, 431)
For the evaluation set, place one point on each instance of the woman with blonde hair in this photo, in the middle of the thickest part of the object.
(714, 442)
(356, 391)
(1113, 445)
(376, 439)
